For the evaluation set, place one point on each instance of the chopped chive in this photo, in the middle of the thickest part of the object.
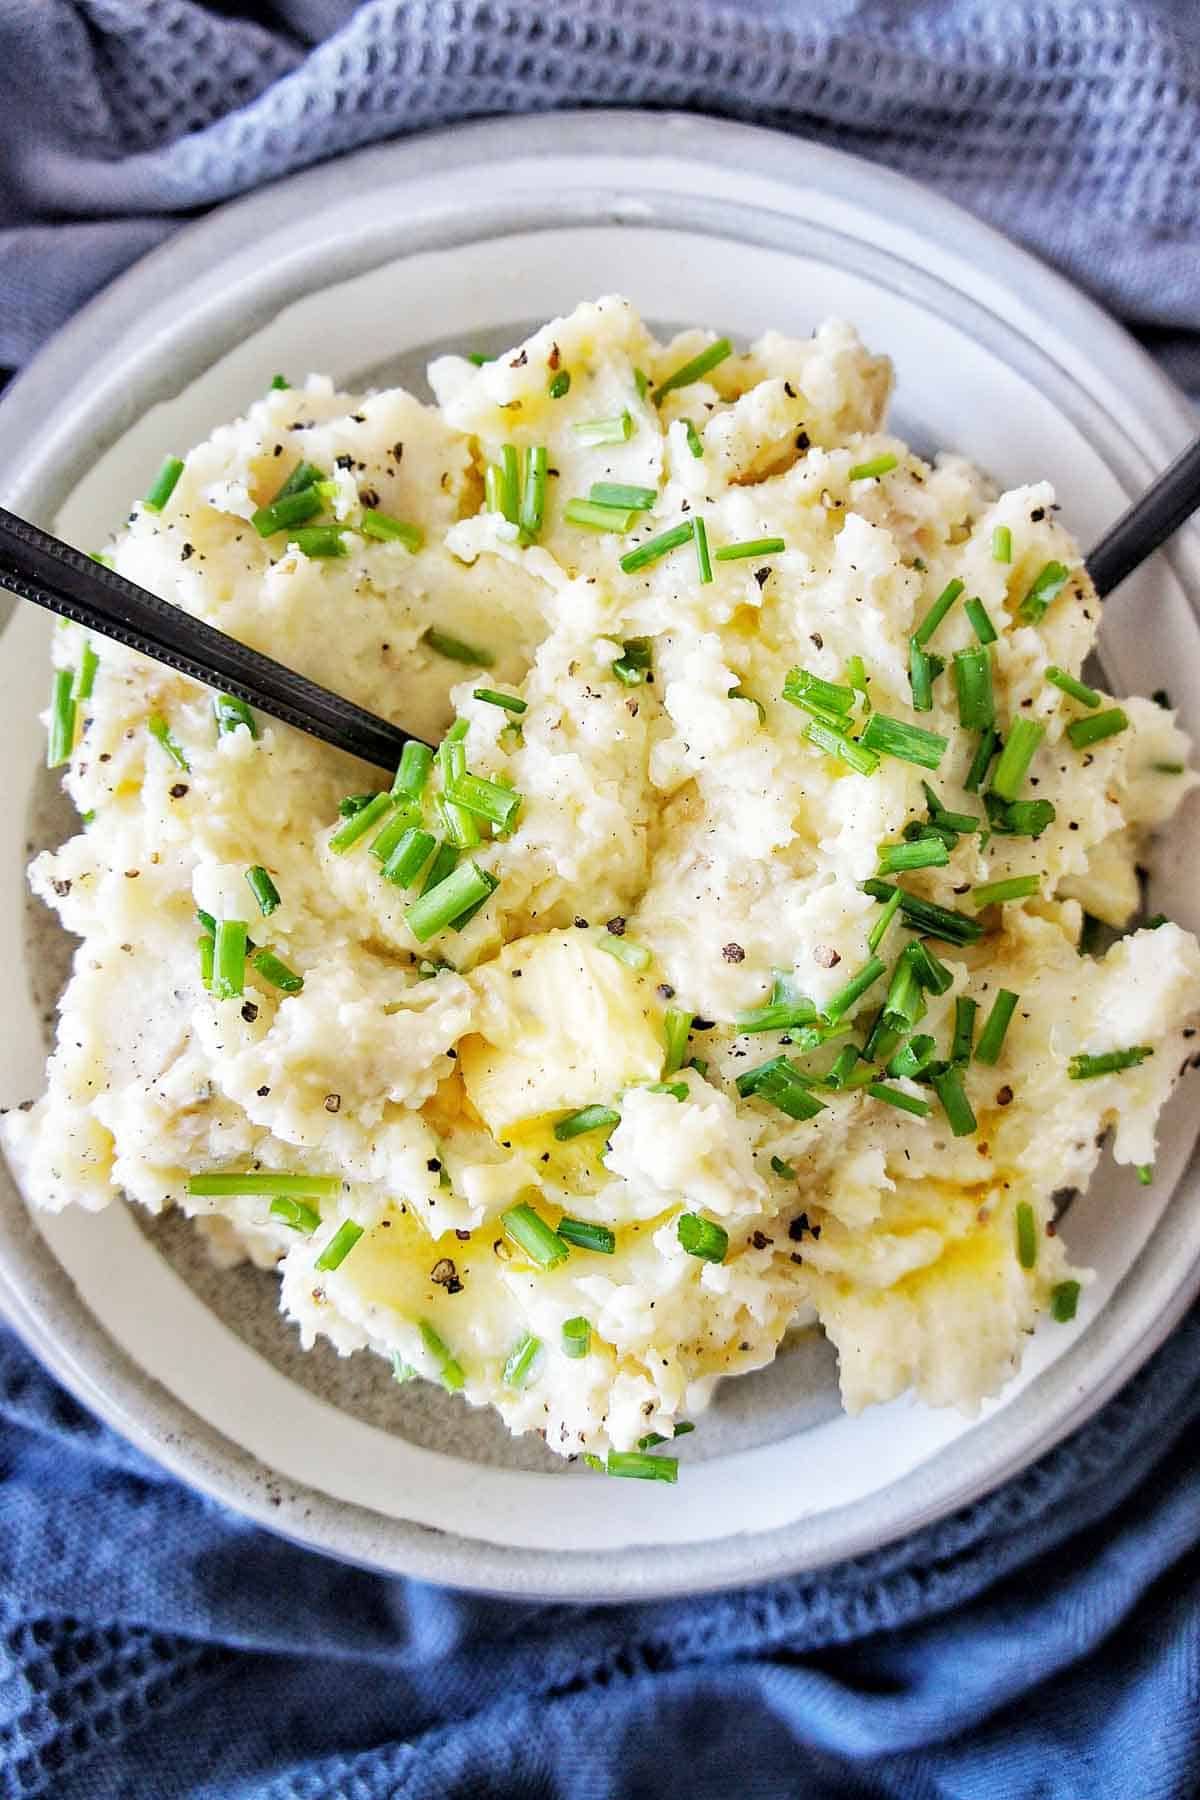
(1099, 726)
(1153, 923)
(450, 1372)
(401, 1370)
(1019, 818)
(1046, 587)
(909, 743)
(655, 547)
(264, 1181)
(640, 1467)
(676, 1028)
(699, 1064)
(1109, 1062)
(593, 432)
(486, 799)
(633, 665)
(231, 713)
(1002, 544)
(935, 921)
(678, 1090)
(1165, 768)
(1070, 684)
(416, 760)
(913, 1057)
(878, 930)
(229, 959)
(445, 859)
(510, 483)
(164, 485)
(85, 674)
(207, 921)
(359, 823)
(263, 889)
(700, 537)
(1064, 1298)
(559, 385)
(576, 1337)
(1020, 748)
(777, 1015)
(446, 902)
(1026, 1227)
(206, 945)
(965, 822)
(836, 743)
(597, 517)
(479, 359)
(530, 1231)
(981, 624)
(810, 691)
(339, 1246)
(588, 1118)
(964, 1028)
(391, 531)
(973, 684)
(296, 1214)
(957, 1108)
(768, 546)
(922, 853)
(867, 471)
(510, 702)
(784, 1170)
(702, 1237)
(905, 1002)
(533, 494)
(854, 989)
(409, 857)
(634, 956)
(272, 969)
(521, 1360)
(856, 675)
(304, 475)
(995, 893)
(61, 740)
(319, 540)
(991, 1038)
(783, 1085)
(454, 649)
(492, 498)
(989, 743)
(693, 370)
(938, 611)
(462, 830)
(694, 443)
(920, 677)
(840, 1070)
(585, 1236)
(451, 752)
(620, 493)
(286, 511)
(279, 383)
(879, 1090)
(160, 731)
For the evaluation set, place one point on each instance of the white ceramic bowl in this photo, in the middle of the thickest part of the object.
(361, 268)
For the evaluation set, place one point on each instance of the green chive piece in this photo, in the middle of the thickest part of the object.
(1099, 726)
(784, 1170)
(856, 675)
(454, 650)
(263, 889)
(1046, 587)
(1020, 748)
(634, 956)
(922, 853)
(319, 540)
(1164, 768)
(699, 1064)
(1064, 1299)
(1026, 1226)
(286, 511)
(639, 1467)
(941, 816)
(1154, 922)
(923, 915)
(957, 1108)
(446, 902)
(279, 383)
(583, 1235)
(632, 667)
(559, 385)
(921, 668)
(1145, 1174)
(905, 1003)
(206, 945)
(702, 1237)
(678, 1090)
(656, 547)
(839, 1071)
(576, 1337)
(388, 530)
(879, 1090)
(588, 1118)
(295, 1214)
(449, 1371)
(479, 359)
(510, 702)
(416, 760)
(812, 693)
(359, 823)
(304, 475)
(272, 969)
(207, 922)
(778, 1014)
(521, 1360)
(1019, 818)
(700, 538)
(510, 483)
(401, 1370)
(160, 731)
(837, 743)
(445, 859)
(693, 370)
(1109, 1062)
(768, 546)
(973, 684)
(594, 432)
(530, 1231)
(493, 500)
(229, 962)
(878, 930)
(783, 1085)
(1078, 690)
(164, 485)
(932, 974)
(909, 743)
(409, 857)
(854, 989)
(938, 611)
(486, 799)
(913, 1057)
(231, 714)
(533, 494)
(694, 443)
(622, 494)
(676, 1027)
(264, 1181)
(1002, 544)
(995, 893)
(867, 471)
(85, 674)
(596, 517)
(964, 1029)
(989, 743)
(991, 1038)
(981, 624)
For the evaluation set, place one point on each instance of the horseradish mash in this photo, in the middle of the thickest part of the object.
(723, 964)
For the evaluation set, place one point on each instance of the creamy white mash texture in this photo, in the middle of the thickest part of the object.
(689, 815)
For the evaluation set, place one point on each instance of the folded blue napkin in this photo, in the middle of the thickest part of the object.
(1042, 1645)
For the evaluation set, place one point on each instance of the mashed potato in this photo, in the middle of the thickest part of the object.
(701, 769)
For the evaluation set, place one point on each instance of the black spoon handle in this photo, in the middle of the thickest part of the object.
(1148, 523)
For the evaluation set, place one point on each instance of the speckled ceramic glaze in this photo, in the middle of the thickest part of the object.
(361, 268)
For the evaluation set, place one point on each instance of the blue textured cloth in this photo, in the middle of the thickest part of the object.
(1046, 1642)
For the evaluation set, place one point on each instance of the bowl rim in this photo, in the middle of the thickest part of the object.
(38, 1296)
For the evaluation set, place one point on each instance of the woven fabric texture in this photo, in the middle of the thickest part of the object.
(1042, 1645)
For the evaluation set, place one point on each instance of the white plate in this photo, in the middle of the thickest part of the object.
(360, 268)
